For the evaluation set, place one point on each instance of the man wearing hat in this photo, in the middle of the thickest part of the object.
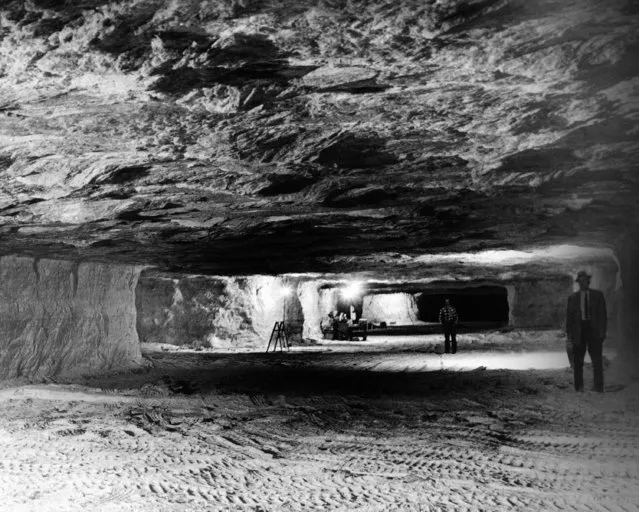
(586, 324)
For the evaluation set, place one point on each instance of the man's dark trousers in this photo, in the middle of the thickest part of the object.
(571, 354)
(450, 335)
(594, 345)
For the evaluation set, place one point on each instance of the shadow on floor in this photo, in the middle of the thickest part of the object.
(366, 374)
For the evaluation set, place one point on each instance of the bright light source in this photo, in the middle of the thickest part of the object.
(352, 290)
(285, 291)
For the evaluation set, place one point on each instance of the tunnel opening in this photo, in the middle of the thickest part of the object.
(344, 305)
(476, 305)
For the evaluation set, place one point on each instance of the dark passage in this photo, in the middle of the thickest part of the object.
(344, 305)
(478, 304)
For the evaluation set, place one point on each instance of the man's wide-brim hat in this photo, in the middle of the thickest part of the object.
(582, 274)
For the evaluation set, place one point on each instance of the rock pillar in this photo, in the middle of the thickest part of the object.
(627, 252)
(392, 308)
(66, 318)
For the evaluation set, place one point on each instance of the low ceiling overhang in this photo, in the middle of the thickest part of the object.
(274, 137)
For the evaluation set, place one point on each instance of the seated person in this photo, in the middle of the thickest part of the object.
(344, 331)
(329, 325)
(326, 325)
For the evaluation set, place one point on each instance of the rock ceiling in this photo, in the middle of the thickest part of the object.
(274, 136)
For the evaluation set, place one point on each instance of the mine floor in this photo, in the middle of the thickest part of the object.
(309, 430)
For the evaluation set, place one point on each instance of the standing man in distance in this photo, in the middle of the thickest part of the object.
(586, 326)
(448, 318)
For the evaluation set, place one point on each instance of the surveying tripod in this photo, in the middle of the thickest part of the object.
(278, 335)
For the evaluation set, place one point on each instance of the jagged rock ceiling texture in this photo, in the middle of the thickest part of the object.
(280, 136)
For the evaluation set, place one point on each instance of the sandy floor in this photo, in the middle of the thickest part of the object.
(369, 431)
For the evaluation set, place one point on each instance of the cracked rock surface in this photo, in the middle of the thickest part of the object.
(245, 136)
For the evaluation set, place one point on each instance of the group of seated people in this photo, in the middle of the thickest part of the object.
(341, 327)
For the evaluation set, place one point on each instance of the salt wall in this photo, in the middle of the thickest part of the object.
(538, 303)
(627, 253)
(534, 303)
(224, 312)
(218, 312)
(63, 318)
(392, 308)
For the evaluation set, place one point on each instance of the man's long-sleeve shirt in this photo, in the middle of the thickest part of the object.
(448, 315)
